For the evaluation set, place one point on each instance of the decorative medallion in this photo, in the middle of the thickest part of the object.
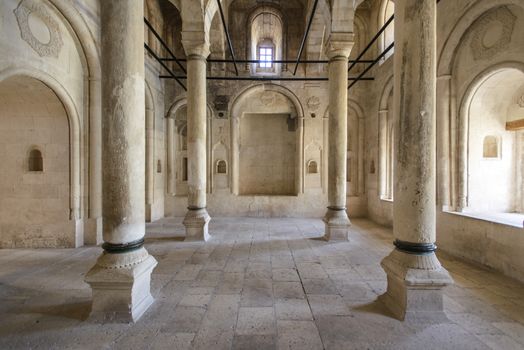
(492, 33)
(38, 28)
(267, 98)
(313, 103)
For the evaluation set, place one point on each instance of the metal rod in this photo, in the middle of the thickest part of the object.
(227, 36)
(164, 45)
(372, 65)
(165, 66)
(264, 78)
(382, 29)
(273, 61)
(305, 36)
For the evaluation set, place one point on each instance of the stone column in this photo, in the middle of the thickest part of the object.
(415, 276)
(120, 279)
(197, 218)
(336, 219)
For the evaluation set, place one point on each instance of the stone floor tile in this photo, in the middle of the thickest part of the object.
(293, 309)
(298, 335)
(256, 320)
(254, 342)
(288, 290)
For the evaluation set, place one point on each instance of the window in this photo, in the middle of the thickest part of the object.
(312, 167)
(266, 57)
(36, 162)
(221, 167)
(388, 36)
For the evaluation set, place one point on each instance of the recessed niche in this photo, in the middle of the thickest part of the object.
(35, 161)
(312, 167)
(491, 147)
(221, 167)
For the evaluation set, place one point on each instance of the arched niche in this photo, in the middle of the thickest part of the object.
(267, 30)
(150, 150)
(355, 149)
(471, 40)
(314, 165)
(177, 159)
(386, 136)
(491, 157)
(47, 123)
(273, 102)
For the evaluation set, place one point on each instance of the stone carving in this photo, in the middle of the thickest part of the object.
(44, 46)
(267, 98)
(521, 101)
(313, 103)
(492, 33)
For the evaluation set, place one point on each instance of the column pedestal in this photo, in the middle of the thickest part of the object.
(196, 222)
(337, 224)
(120, 284)
(415, 285)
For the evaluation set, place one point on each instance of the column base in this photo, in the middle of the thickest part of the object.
(337, 224)
(415, 283)
(121, 286)
(196, 223)
(93, 231)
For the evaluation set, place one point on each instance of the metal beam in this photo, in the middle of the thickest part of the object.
(227, 36)
(303, 43)
(382, 29)
(165, 66)
(372, 64)
(274, 61)
(164, 44)
(265, 78)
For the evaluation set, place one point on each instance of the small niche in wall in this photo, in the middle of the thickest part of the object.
(159, 166)
(184, 169)
(491, 147)
(35, 161)
(312, 167)
(372, 167)
(221, 167)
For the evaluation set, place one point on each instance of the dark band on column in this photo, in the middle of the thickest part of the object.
(123, 247)
(415, 248)
(195, 208)
(336, 208)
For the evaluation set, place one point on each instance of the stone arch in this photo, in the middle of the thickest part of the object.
(386, 130)
(463, 133)
(236, 105)
(452, 43)
(91, 54)
(175, 162)
(150, 149)
(75, 140)
(358, 153)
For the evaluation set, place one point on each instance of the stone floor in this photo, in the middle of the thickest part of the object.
(260, 284)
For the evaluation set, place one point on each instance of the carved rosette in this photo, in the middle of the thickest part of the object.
(35, 8)
(492, 33)
(313, 103)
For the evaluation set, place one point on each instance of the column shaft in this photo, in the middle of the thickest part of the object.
(415, 276)
(336, 219)
(120, 279)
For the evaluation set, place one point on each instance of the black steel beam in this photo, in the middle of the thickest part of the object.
(165, 66)
(372, 65)
(210, 60)
(304, 38)
(382, 29)
(162, 42)
(264, 78)
(227, 36)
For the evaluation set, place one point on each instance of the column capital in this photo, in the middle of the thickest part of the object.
(195, 43)
(339, 44)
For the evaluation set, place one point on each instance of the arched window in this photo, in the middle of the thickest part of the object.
(35, 161)
(221, 167)
(386, 144)
(387, 9)
(312, 167)
(266, 40)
